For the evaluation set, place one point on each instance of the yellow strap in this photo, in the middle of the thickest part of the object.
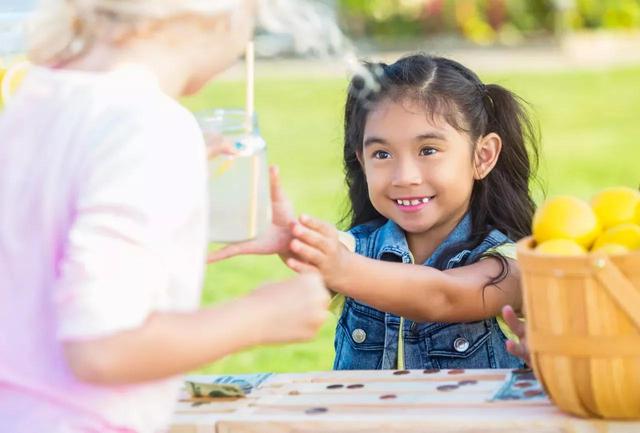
(401, 345)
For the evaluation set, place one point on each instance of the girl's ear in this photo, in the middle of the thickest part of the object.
(359, 156)
(486, 155)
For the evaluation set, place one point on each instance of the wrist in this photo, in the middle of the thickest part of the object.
(340, 279)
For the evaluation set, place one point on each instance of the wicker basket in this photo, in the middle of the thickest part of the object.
(583, 330)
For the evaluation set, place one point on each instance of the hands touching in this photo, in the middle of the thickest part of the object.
(316, 248)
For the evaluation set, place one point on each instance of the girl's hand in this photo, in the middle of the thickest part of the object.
(296, 308)
(521, 350)
(317, 248)
(218, 145)
(276, 239)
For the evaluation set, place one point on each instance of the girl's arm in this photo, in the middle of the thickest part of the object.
(171, 343)
(419, 293)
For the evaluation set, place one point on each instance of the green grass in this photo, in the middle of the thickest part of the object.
(591, 139)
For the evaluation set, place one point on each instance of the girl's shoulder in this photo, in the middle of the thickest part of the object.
(499, 243)
(367, 229)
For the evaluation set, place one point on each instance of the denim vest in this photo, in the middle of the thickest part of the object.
(367, 339)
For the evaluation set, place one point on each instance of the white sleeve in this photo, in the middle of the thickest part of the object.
(141, 187)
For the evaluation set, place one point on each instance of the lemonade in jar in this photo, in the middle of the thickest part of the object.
(239, 204)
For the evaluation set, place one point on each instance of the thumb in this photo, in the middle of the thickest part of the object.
(278, 196)
(248, 247)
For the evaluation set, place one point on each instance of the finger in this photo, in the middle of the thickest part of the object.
(311, 237)
(231, 250)
(278, 196)
(277, 193)
(512, 320)
(300, 267)
(307, 253)
(515, 349)
(318, 225)
(519, 351)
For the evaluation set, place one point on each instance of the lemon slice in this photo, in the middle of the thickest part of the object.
(11, 80)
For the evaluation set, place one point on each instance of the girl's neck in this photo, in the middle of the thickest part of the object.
(423, 245)
(171, 74)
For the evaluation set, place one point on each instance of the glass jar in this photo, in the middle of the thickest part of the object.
(239, 202)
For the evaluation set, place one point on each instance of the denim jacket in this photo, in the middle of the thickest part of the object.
(367, 338)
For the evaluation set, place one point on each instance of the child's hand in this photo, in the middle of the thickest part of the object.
(218, 145)
(276, 239)
(296, 308)
(521, 350)
(317, 248)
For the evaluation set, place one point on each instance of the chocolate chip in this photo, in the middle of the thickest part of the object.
(355, 386)
(336, 386)
(467, 382)
(456, 371)
(431, 371)
(387, 396)
(401, 372)
(294, 392)
(523, 385)
(447, 387)
(316, 410)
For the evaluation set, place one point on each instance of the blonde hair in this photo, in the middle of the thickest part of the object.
(62, 29)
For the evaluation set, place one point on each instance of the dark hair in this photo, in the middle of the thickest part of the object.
(446, 88)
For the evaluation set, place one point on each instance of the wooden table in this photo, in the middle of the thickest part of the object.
(446, 401)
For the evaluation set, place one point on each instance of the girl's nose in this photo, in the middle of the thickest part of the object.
(407, 173)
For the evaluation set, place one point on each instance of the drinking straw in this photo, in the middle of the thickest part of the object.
(250, 73)
(253, 210)
(249, 112)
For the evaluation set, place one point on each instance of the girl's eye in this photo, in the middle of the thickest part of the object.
(381, 154)
(426, 151)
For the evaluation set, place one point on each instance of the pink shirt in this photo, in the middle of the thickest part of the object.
(102, 222)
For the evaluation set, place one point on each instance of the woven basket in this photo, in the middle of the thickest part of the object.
(583, 330)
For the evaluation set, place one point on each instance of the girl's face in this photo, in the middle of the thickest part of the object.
(420, 173)
(220, 45)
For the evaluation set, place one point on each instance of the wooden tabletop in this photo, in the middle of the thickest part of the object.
(408, 401)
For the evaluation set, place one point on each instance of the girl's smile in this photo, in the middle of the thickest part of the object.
(413, 204)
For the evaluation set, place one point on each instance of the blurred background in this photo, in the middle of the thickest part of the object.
(577, 62)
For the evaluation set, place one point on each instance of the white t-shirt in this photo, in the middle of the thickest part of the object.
(102, 222)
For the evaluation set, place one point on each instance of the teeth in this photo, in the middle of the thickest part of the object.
(413, 202)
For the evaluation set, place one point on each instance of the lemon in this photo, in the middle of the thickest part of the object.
(11, 80)
(611, 249)
(560, 247)
(638, 213)
(627, 235)
(615, 206)
(565, 217)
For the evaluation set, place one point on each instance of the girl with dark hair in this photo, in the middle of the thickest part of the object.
(438, 166)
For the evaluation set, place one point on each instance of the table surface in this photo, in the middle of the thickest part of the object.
(386, 401)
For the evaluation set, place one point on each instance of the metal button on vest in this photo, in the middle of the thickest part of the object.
(359, 335)
(461, 344)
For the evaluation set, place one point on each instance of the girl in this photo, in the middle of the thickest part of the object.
(102, 220)
(438, 173)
